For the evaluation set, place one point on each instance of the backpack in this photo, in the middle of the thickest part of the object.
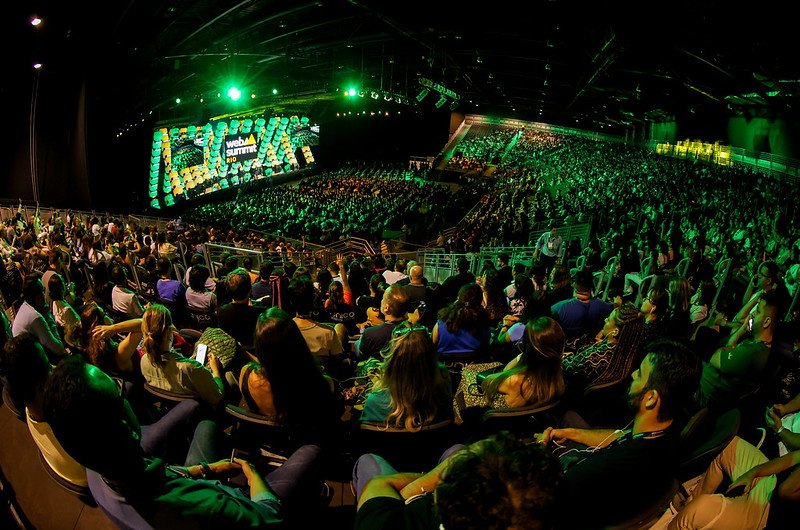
(220, 344)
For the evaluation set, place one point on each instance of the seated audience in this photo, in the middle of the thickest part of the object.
(238, 318)
(26, 369)
(534, 377)
(63, 312)
(138, 491)
(262, 288)
(394, 306)
(123, 299)
(96, 330)
(746, 502)
(323, 340)
(453, 284)
(166, 288)
(735, 369)
(582, 315)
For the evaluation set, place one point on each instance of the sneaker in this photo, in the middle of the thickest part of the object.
(325, 495)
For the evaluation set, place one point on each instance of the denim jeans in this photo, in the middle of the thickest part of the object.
(156, 436)
(370, 465)
(296, 478)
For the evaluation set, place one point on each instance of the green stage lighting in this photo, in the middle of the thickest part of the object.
(234, 93)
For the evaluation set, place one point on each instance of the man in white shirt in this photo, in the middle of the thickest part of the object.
(397, 274)
(34, 318)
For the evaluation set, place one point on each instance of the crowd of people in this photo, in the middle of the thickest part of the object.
(348, 202)
(482, 144)
(321, 350)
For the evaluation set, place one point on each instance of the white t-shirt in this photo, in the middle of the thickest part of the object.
(126, 301)
(64, 314)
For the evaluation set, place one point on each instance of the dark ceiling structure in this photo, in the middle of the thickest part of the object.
(609, 64)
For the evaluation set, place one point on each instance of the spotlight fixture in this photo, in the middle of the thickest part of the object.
(442, 100)
(35, 21)
(37, 66)
(422, 93)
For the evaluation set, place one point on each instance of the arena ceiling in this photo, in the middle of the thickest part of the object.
(609, 63)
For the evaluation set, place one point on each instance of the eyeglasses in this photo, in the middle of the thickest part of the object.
(403, 330)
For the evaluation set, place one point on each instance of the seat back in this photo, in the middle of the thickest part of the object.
(114, 505)
(683, 267)
(17, 410)
(407, 450)
(258, 434)
(705, 441)
(179, 270)
(199, 319)
(522, 421)
(82, 492)
(647, 517)
(644, 286)
(160, 393)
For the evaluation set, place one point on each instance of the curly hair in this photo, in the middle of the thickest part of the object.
(467, 311)
(501, 483)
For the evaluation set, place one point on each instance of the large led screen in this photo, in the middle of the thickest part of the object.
(195, 160)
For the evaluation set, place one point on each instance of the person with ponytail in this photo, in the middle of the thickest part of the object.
(165, 368)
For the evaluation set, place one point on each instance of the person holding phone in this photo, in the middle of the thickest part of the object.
(165, 368)
(736, 368)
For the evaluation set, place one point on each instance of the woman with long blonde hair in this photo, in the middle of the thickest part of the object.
(165, 368)
(414, 388)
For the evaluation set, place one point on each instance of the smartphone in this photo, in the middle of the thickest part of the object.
(202, 350)
(239, 453)
(750, 324)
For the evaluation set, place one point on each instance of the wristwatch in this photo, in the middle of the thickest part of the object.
(205, 470)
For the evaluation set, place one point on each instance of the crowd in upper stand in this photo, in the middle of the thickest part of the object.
(348, 202)
(482, 144)
(324, 349)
